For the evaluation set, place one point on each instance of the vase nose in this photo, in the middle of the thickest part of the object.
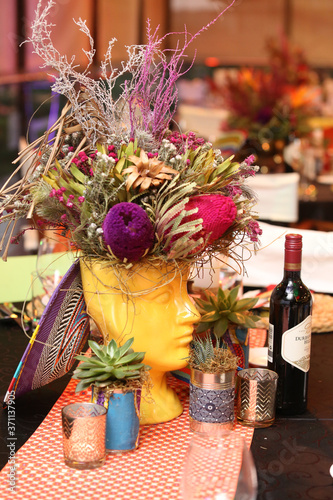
(188, 313)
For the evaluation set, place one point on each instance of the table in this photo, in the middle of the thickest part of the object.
(292, 457)
(152, 471)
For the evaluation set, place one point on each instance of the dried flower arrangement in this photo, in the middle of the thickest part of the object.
(272, 103)
(116, 181)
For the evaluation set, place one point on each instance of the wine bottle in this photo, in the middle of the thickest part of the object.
(289, 338)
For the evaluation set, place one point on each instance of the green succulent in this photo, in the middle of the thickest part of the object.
(109, 363)
(221, 310)
(202, 349)
(209, 359)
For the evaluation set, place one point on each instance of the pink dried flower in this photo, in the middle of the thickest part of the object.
(254, 230)
(217, 212)
(184, 142)
(250, 159)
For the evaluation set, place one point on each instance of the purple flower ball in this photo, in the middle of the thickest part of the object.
(128, 231)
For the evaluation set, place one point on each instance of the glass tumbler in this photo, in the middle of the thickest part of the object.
(256, 394)
(83, 428)
(218, 468)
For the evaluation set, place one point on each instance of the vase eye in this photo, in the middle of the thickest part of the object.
(160, 297)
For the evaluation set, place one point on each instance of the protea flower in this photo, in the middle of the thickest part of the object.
(217, 213)
(146, 172)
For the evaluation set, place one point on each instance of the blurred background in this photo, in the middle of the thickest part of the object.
(261, 82)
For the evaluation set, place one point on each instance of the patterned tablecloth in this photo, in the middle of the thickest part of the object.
(150, 472)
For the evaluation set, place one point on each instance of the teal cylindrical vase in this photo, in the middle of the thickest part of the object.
(122, 420)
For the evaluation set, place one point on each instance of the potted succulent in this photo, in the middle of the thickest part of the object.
(116, 375)
(229, 318)
(212, 385)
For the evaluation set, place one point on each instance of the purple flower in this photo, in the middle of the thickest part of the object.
(128, 231)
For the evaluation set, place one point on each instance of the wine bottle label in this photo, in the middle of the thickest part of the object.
(270, 342)
(296, 345)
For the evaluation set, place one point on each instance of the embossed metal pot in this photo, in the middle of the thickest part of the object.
(212, 398)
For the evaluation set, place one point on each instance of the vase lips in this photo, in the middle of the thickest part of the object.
(187, 336)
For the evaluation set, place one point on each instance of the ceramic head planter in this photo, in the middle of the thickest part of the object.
(150, 303)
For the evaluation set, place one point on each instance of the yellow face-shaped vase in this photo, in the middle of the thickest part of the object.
(151, 304)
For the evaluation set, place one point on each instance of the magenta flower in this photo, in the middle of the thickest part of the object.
(254, 230)
(217, 212)
(128, 231)
(249, 160)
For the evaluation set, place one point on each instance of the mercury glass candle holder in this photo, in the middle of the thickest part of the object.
(83, 426)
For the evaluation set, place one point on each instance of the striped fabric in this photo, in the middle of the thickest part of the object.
(63, 331)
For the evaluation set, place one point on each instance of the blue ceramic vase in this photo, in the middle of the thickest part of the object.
(122, 420)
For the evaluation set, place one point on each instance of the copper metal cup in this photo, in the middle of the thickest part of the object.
(83, 426)
(212, 399)
(256, 393)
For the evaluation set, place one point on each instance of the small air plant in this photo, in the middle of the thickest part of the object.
(210, 358)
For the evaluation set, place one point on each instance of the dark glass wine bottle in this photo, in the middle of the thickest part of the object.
(289, 339)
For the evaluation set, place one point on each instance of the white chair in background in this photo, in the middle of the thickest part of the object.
(206, 122)
(277, 196)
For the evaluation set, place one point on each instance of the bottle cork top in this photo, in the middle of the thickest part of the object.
(293, 251)
(293, 241)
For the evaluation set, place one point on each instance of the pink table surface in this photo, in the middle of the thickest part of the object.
(152, 471)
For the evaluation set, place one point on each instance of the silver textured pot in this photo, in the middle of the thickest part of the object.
(212, 398)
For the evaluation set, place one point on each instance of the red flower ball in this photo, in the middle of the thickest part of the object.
(218, 212)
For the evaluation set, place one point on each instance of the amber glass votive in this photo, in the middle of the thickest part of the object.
(83, 429)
